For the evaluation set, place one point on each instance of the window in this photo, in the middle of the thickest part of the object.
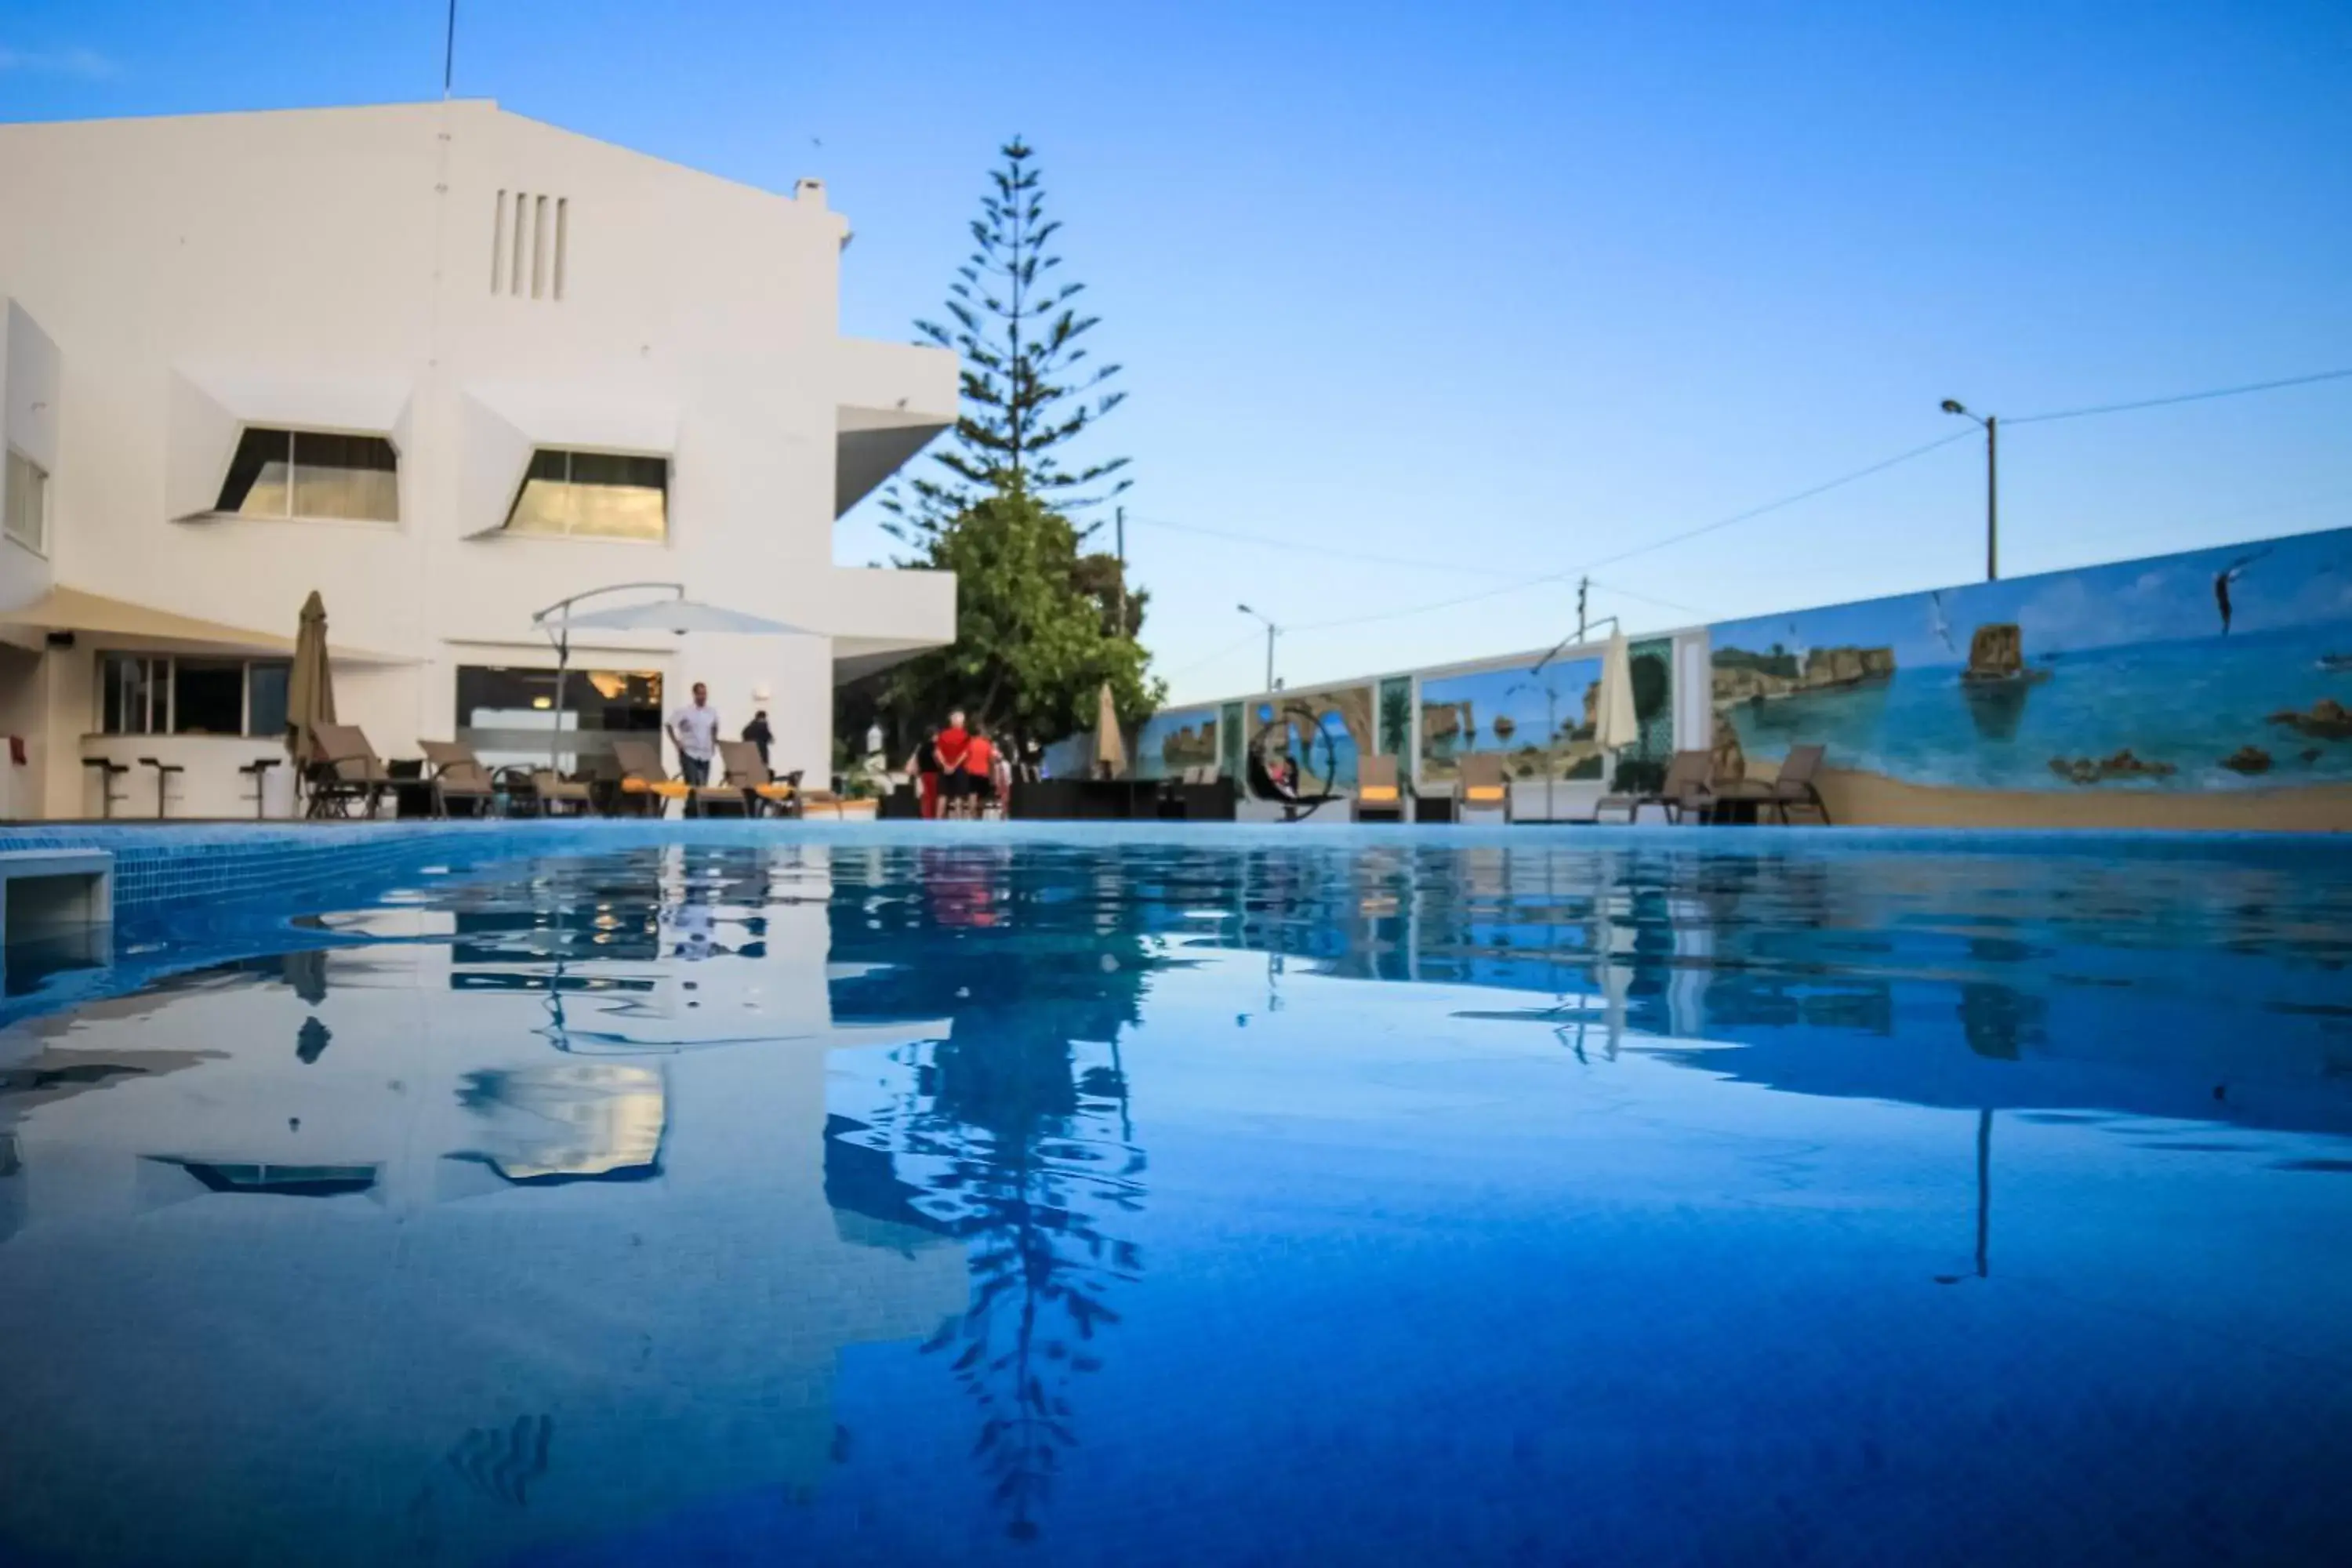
(308, 473)
(507, 712)
(592, 495)
(143, 694)
(27, 501)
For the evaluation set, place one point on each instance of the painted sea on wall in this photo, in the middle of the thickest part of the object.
(1170, 742)
(1537, 722)
(2218, 668)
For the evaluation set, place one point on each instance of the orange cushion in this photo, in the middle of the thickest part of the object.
(633, 785)
(1378, 791)
(670, 789)
(1486, 791)
(773, 791)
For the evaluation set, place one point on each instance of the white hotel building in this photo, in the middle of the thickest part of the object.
(446, 365)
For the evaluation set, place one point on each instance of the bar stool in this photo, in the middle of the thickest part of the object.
(108, 769)
(259, 768)
(164, 772)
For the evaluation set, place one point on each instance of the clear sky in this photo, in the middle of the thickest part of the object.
(1442, 297)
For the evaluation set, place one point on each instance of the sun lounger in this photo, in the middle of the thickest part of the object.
(1794, 785)
(343, 772)
(1688, 787)
(1483, 791)
(645, 784)
(763, 794)
(552, 790)
(458, 774)
(1380, 796)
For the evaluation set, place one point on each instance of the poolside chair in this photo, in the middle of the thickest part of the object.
(1379, 796)
(552, 790)
(343, 772)
(1484, 790)
(458, 774)
(763, 791)
(1688, 786)
(646, 785)
(1794, 785)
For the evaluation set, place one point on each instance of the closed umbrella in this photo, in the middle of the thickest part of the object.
(1616, 726)
(311, 686)
(1110, 746)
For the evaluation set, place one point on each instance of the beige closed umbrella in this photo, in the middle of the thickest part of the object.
(1615, 725)
(310, 685)
(1110, 746)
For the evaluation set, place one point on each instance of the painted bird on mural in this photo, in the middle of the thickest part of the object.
(2227, 575)
(1939, 624)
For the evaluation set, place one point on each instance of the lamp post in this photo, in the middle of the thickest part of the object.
(1272, 631)
(554, 621)
(1991, 423)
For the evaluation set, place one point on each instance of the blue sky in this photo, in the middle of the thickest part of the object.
(1443, 297)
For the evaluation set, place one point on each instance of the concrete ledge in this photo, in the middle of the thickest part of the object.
(53, 892)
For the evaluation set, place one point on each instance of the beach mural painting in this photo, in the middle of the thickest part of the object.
(1324, 731)
(1170, 742)
(2219, 668)
(1537, 723)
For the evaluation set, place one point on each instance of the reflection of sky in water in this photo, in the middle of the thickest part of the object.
(1353, 1198)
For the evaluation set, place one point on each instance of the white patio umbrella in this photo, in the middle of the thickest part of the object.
(668, 611)
(1615, 725)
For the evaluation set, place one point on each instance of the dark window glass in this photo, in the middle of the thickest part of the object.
(494, 697)
(208, 697)
(346, 476)
(266, 709)
(280, 473)
(260, 476)
(599, 495)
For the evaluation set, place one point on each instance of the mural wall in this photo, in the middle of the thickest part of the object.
(2225, 670)
(1537, 722)
(1170, 742)
(1324, 731)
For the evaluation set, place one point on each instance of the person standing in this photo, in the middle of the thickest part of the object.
(760, 736)
(694, 730)
(980, 772)
(924, 768)
(953, 743)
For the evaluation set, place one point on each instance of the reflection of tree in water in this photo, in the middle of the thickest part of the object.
(1012, 1133)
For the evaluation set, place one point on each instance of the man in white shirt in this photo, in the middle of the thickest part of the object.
(694, 730)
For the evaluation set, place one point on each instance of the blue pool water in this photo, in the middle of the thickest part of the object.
(1210, 1197)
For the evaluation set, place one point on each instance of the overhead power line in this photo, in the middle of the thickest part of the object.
(1519, 583)
(1752, 513)
(1304, 547)
(2181, 397)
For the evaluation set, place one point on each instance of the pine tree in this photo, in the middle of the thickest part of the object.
(1028, 387)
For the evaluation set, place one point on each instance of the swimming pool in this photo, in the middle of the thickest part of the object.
(1208, 1196)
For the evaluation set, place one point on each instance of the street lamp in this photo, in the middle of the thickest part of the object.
(1272, 631)
(1991, 423)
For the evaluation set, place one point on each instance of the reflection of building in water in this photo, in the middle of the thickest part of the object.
(1811, 966)
(528, 1314)
(574, 1122)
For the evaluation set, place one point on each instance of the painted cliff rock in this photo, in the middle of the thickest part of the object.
(2248, 760)
(2123, 764)
(2327, 720)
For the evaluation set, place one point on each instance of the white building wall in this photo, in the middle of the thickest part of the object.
(334, 269)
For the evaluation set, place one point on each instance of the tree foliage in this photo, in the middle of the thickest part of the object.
(1028, 386)
(1038, 624)
(1032, 647)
